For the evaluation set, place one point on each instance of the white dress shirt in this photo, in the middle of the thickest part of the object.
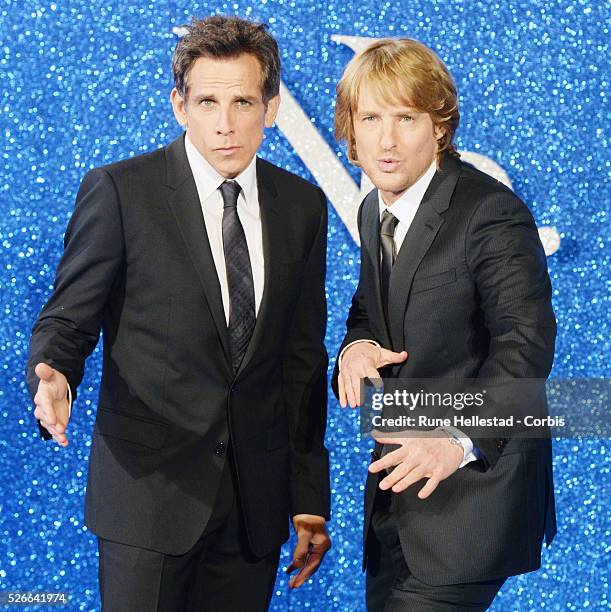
(406, 206)
(208, 181)
(404, 209)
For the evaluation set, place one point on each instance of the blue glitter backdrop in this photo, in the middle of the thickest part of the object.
(87, 83)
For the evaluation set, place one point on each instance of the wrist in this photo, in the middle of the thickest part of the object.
(454, 440)
(310, 518)
(355, 343)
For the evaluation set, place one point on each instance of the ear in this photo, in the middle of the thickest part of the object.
(178, 106)
(272, 110)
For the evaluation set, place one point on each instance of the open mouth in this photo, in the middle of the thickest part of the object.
(388, 164)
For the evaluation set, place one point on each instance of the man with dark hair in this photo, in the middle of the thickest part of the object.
(453, 287)
(204, 266)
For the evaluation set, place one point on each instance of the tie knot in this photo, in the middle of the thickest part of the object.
(388, 224)
(230, 191)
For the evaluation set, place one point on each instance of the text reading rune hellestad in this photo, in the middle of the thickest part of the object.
(460, 420)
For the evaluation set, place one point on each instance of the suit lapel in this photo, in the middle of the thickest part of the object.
(370, 236)
(186, 208)
(420, 236)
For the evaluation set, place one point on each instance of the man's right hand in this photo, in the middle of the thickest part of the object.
(362, 360)
(52, 406)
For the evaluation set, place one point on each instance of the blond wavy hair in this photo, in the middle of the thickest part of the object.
(404, 72)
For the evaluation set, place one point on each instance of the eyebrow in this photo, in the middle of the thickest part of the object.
(204, 96)
(246, 97)
(401, 111)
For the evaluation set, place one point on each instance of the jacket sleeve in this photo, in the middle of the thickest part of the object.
(304, 373)
(509, 268)
(357, 324)
(68, 327)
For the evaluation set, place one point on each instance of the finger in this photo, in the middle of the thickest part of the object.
(384, 438)
(55, 429)
(317, 550)
(429, 487)
(50, 428)
(393, 458)
(414, 476)
(387, 356)
(343, 400)
(350, 392)
(400, 472)
(60, 428)
(311, 565)
(44, 410)
(44, 371)
(301, 551)
(61, 439)
(374, 376)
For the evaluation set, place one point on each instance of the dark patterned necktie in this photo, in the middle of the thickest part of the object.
(389, 253)
(239, 276)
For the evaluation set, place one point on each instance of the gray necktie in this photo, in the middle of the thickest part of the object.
(389, 254)
(239, 276)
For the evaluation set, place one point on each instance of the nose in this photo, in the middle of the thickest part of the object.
(388, 138)
(224, 122)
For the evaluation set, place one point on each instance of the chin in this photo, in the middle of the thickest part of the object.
(391, 186)
(228, 167)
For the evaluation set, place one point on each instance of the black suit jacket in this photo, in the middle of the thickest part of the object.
(137, 264)
(469, 298)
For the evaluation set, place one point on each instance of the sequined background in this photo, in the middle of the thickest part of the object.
(86, 83)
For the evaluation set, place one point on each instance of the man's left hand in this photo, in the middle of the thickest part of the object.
(312, 543)
(434, 458)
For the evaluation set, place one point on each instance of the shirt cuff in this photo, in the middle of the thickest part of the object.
(471, 453)
(339, 359)
(69, 401)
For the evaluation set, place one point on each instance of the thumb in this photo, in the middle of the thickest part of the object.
(300, 553)
(391, 357)
(44, 372)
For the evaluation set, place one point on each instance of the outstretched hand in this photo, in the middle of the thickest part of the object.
(51, 400)
(362, 360)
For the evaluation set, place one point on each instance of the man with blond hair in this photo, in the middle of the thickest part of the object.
(205, 267)
(453, 285)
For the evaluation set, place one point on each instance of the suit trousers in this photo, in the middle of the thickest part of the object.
(218, 573)
(391, 587)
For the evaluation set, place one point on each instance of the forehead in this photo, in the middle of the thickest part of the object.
(241, 72)
(380, 93)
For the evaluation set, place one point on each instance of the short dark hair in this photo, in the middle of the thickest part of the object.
(227, 37)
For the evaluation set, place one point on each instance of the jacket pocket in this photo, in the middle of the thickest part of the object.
(434, 281)
(137, 430)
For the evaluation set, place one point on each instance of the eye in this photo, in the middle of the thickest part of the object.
(369, 118)
(407, 118)
(206, 102)
(244, 103)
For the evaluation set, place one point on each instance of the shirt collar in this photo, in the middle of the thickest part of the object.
(208, 180)
(405, 207)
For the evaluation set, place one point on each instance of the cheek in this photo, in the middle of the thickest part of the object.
(365, 144)
(201, 123)
(253, 130)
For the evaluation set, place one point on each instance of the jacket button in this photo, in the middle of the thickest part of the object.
(220, 448)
